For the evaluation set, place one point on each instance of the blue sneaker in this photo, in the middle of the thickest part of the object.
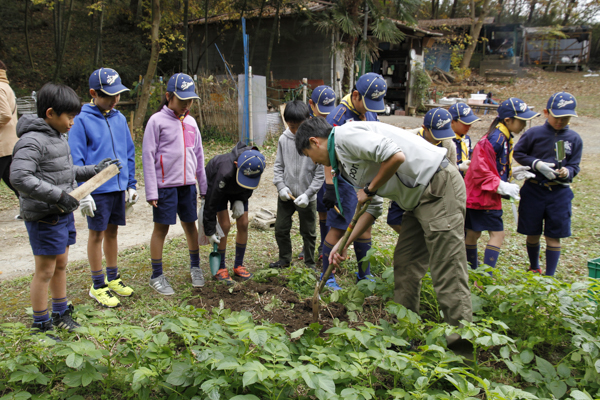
(331, 283)
(368, 277)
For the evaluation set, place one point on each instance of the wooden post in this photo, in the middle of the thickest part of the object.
(131, 131)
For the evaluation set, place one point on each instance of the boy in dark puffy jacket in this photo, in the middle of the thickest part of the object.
(42, 171)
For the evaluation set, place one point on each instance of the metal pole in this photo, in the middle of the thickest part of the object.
(304, 83)
(251, 130)
(246, 92)
(364, 60)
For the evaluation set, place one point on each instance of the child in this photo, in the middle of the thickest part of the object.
(297, 176)
(232, 178)
(488, 179)
(43, 173)
(100, 131)
(462, 120)
(363, 104)
(173, 161)
(546, 198)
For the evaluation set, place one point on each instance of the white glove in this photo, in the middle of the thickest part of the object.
(87, 206)
(464, 166)
(131, 196)
(545, 169)
(509, 189)
(237, 209)
(214, 239)
(520, 173)
(285, 193)
(302, 201)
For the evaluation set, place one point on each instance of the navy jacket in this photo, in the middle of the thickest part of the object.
(538, 144)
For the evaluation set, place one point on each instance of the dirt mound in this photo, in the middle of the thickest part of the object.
(270, 301)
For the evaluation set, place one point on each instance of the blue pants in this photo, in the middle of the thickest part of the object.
(110, 209)
(547, 207)
(181, 200)
(484, 220)
(349, 202)
(51, 235)
(395, 214)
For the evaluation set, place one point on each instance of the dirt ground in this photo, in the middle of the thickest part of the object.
(16, 258)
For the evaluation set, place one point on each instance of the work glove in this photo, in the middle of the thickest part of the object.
(329, 199)
(214, 239)
(87, 206)
(302, 201)
(464, 166)
(237, 209)
(545, 169)
(105, 163)
(508, 189)
(520, 173)
(131, 196)
(67, 203)
(285, 193)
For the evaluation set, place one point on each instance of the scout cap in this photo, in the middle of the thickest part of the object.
(324, 98)
(515, 108)
(372, 88)
(108, 81)
(438, 121)
(562, 104)
(251, 165)
(182, 86)
(463, 113)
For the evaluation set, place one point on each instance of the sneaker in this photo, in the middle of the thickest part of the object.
(223, 276)
(279, 264)
(242, 272)
(331, 283)
(38, 328)
(301, 255)
(161, 285)
(104, 297)
(117, 286)
(535, 271)
(197, 277)
(367, 277)
(65, 321)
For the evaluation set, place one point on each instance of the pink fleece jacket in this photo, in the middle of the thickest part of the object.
(172, 153)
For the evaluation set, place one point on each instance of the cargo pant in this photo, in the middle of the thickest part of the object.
(432, 237)
(308, 230)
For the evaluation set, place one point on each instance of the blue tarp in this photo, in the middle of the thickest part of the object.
(438, 56)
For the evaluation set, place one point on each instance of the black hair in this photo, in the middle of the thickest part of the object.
(313, 127)
(296, 112)
(495, 122)
(164, 101)
(100, 93)
(59, 97)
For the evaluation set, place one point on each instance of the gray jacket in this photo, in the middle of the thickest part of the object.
(297, 172)
(42, 168)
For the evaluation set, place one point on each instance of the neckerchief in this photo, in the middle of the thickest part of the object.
(105, 112)
(347, 102)
(509, 137)
(421, 133)
(464, 150)
(334, 168)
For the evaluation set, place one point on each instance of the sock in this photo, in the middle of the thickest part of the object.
(111, 273)
(41, 316)
(324, 230)
(157, 269)
(533, 251)
(240, 250)
(98, 278)
(361, 247)
(222, 253)
(472, 255)
(195, 258)
(552, 256)
(327, 247)
(59, 305)
(490, 257)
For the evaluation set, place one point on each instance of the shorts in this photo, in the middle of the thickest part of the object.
(173, 201)
(51, 235)
(395, 214)
(222, 204)
(484, 220)
(541, 207)
(110, 209)
(349, 202)
(320, 205)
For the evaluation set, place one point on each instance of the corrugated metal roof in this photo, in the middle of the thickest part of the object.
(433, 23)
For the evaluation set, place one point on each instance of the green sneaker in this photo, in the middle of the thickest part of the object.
(104, 297)
(117, 286)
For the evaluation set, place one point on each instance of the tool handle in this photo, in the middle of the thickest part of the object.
(95, 182)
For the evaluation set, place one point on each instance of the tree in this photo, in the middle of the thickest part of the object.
(476, 25)
(153, 62)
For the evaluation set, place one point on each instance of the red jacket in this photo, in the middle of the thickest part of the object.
(482, 178)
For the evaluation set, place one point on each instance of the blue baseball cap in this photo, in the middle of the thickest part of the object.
(324, 98)
(251, 165)
(516, 108)
(108, 81)
(372, 88)
(182, 86)
(463, 113)
(562, 104)
(438, 121)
